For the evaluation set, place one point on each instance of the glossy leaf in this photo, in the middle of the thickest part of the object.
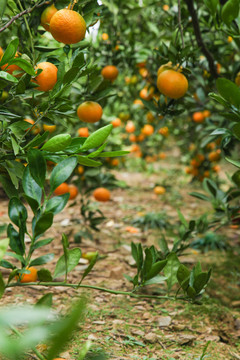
(74, 256)
(57, 203)
(3, 247)
(229, 91)
(62, 171)
(37, 166)
(43, 223)
(97, 138)
(30, 187)
(17, 211)
(10, 51)
(42, 260)
(44, 275)
(83, 160)
(230, 11)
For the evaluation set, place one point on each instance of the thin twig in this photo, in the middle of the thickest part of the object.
(199, 39)
(180, 22)
(22, 13)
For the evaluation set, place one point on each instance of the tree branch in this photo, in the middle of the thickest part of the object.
(199, 38)
(22, 13)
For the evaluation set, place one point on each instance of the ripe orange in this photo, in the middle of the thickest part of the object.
(110, 72)
(116, 122)
(132, 230)
(102, 194)
(105, 36)
(62, 189)
(216, 168)
(83, 132)
(26, 278)
(198, 117)
(35, 129)
(206, 113)
(206, 174)
(50, 128)
(164, 67)
(68, 26)
(146, 94)
(138, 102)
(73, 190)
(172, 83)
(80, 169)
(143, 72)
(133, 138)
(90, 112)
(46, 16)
(214, 155)
(142, 64)
(30, 121)
(130, 127)
(211, 146)
(159, 190)
(134, 148)
(115, 162)
(47, 78)
(165, 7)
(1, 53)
(162, 155)
(164, 131)
(188, 170)
(150, 116)
(147, 130)
(140, 138)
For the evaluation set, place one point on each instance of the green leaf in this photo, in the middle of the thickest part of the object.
(37, 166)
(200, 196)
(44, 275)
(17, 211)
(24, 65)
(62, 171)
(57, 143)
(8, 187)
(10, 51)
(2, 286)
(45, 300)
(236, 130)
(212, 5)
(57, 203)
(74, 256)
(90, 266)
(229, 91)
(41, 243)
(97, 138)
(170, 270)
(155, 280)
(183, 275)
(30, 187)
(3, 5)
(230, 11)
(236, 178)
(8, 77)
(70, 75)
(41, 260)
(37, 140)
(32, 202)
(43, 223)
(84, 160)
(113, 153)
(147, 264)
(182, 219)
(16, 243)
(3, 247)
(156, 269)
(200, 281)
(234, 162)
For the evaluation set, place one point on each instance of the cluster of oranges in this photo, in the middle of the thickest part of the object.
(202, 165)
(200, 116)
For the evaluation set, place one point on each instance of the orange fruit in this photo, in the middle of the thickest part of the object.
(138, 102)
(172, 83)
(115, 162)
(188, 170)
(105, 36)
(164, 67)
(90, 112)
(102, 194)
(198, 117)
(50, 128)
(132, 230)
(133, 138)
(116, 122)
(214, 155)
(1, 53)
(216, 168)
(150, 116)
(35, 129)
(26, 278)
(206, 173)
(164, 131)
(211, 146)
(219, 66)
(143, 72)
(80, 169)
(83, 132)
(46, 16)
(147, 130)
(130, 127)
(110, 72)
(62, 189)
(237, 79)
(162, 155)
(134, 148)
(146, 94)
(68, 26)
(159, 190)
(73, 190)
(140, 138)
(230, 39)
(47, 78)
(206, 113)
(165, 7)
(142, 64)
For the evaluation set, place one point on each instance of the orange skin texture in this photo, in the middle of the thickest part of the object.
(46, 16)
(50, 128)
(73, 190)
(67, 26)
(32, 277)
(172, 84)
(146, 94)
(110, 72)
(62, 189)
(90, 112)
(116, 122)
(48, 77)
(83, 132)
(11, 68)
(102, 194)
(147, 130)
(198, 117)
(159, 190)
